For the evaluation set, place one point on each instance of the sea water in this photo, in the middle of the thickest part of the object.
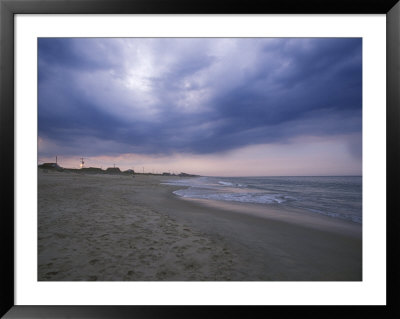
(334, 196)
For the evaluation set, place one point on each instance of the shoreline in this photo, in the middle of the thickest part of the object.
(175, 239)
(290, 215)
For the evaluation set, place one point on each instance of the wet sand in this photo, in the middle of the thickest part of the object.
(119, 228)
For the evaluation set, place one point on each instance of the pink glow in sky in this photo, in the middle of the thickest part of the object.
(301, 157)
(207, 106)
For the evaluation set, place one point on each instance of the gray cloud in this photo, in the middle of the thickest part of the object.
(196, 95)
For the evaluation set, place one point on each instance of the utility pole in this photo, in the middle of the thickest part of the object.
(56, 159)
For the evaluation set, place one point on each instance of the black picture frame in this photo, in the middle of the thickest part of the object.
(8, 8)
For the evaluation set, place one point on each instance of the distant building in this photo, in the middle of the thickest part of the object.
(166, 174)
(51, 166)
(129, 172)
(92, 170)
(113, 170)
(187, 175)
(183, 175)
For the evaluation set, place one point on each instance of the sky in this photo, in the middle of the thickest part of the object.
(207, 106)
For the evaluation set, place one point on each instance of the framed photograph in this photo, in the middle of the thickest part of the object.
(162, 158)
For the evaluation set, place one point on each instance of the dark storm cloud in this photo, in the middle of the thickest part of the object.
(74, 54)
(196, 95)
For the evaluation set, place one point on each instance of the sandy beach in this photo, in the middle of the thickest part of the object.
(118, 228)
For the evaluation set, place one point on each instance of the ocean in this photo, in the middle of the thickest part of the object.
(334, 196)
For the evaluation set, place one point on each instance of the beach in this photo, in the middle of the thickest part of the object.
(121, 228)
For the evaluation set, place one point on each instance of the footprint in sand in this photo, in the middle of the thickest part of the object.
(52, 273)
(93, 261)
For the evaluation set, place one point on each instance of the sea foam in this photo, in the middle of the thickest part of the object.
(336, 196)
